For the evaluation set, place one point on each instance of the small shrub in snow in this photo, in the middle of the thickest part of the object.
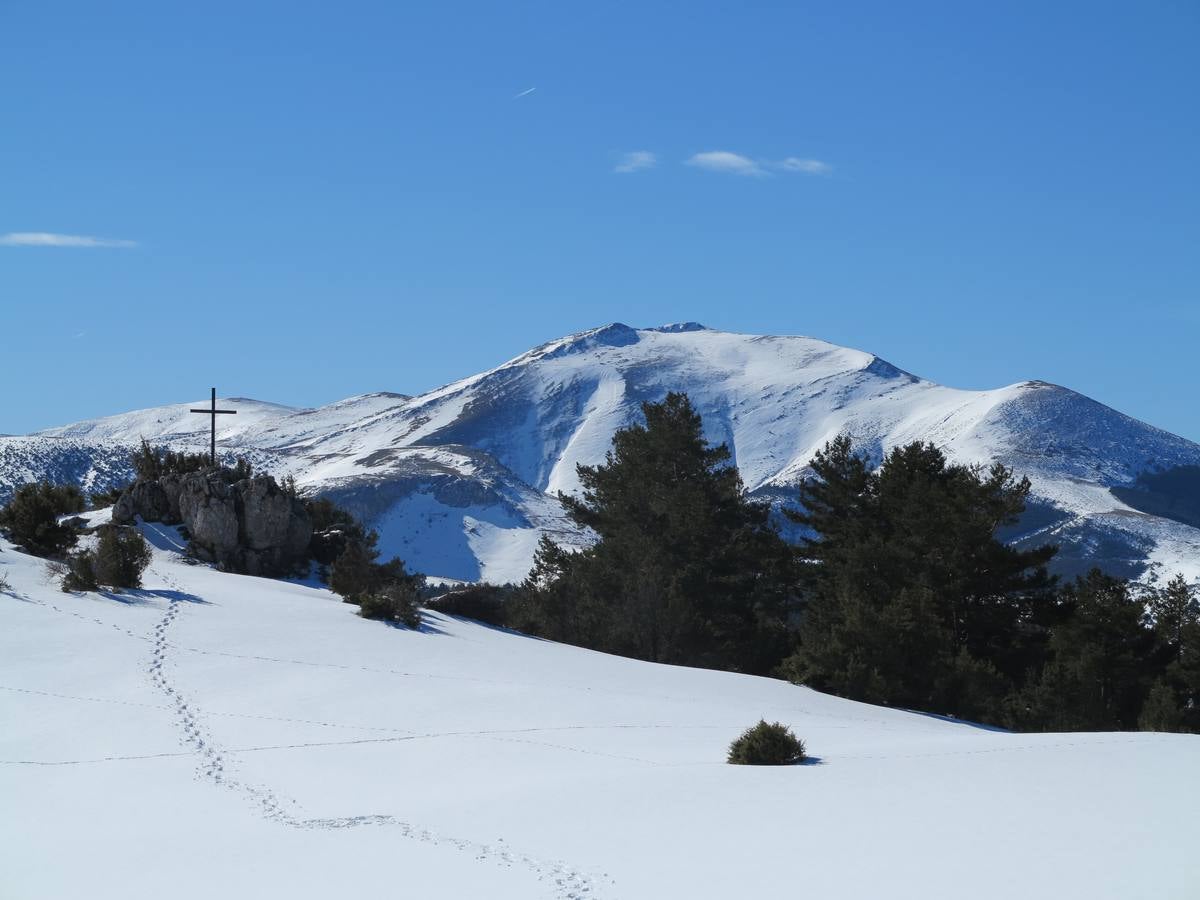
(79, 573)
(481, 602)
(122, 555)
(397, 602)
(118, 560)
(767, 744)
(5, 587)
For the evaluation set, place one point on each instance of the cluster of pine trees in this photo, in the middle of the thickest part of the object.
(902, 594)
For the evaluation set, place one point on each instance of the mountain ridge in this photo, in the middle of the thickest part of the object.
(461, 480)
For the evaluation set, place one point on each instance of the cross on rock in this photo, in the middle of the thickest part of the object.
(214, 412)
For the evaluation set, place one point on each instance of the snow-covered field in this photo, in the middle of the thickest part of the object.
(223, 736)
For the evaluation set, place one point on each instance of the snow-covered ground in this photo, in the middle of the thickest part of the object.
(223, 736)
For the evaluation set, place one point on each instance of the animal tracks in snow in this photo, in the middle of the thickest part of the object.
(563, 882)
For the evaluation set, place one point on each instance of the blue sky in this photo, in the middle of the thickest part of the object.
(328, 199)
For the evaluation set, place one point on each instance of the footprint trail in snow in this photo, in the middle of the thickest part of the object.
(565, 882)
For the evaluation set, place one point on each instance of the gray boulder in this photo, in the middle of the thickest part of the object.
(271, 518)
(124, 512)
(209, 510)
(146, 498)
(170, 485)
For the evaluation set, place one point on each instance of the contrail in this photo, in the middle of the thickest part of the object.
(525, 92)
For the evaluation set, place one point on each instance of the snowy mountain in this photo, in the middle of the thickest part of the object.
(460, 481)
(216, 735)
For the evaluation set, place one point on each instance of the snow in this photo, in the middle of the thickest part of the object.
(214, 734)
(483, 458)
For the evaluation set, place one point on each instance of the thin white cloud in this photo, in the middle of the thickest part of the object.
(46, 239)
(736, 164)
(805, 166)
(724, 161)
(636, 161)
(524, 93)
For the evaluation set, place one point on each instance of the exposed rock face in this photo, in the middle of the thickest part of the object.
(146, 498)
(154, 499)
(209, 510)
(274, 528)
(250, 526)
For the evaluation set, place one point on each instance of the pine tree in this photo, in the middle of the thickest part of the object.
(121, 556)
(911, 597)
(1100, 661)
(1173, 609)
(31, 517)
(686, 568)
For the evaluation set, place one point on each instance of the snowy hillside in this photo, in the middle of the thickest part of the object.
(460, 480)
(217, 735)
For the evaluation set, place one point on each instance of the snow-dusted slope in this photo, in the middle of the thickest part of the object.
(216, 735)
(460, 480)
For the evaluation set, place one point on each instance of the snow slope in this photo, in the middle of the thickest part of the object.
(220, 735)
(461, 480)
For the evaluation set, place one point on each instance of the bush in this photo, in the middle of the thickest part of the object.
(355, 573)
(481, 602)
(5, 587)
(31, 517)
(79, 573)
(767, 744)
(395, 603)
(120, 557)
(333, 530)
(154, 462)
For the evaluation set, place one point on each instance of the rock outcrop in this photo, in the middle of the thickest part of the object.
(251, 526)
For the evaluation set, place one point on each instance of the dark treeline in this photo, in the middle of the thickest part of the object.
(903, 594)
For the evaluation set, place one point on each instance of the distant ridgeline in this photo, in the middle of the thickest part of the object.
(462, 481)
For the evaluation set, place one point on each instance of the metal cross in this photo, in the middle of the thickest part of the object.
(214, 412)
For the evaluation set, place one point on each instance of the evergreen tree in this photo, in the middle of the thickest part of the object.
(117, 561)
(1099, 667)
(1162, 710)
(385, 591)
(31, 517)
(121, 556)
(355, 572)
(1175, 610)
(911, 598)
(686, 569)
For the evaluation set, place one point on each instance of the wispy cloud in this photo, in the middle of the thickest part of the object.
(636, 161)
(737, 164)
(805, 166)
(724, 161)
(524, 93)
(46, 239)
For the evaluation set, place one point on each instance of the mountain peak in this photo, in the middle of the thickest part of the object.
(679, 328)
